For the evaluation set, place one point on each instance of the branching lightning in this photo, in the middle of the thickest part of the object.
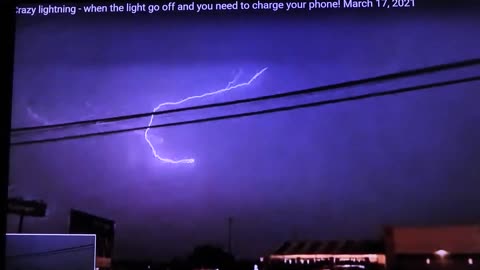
(148, 137)
(230, 86)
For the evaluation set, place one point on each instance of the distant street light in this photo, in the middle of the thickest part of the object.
(442, 253)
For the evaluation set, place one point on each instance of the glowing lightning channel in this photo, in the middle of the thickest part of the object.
(231, 85)
(37, 117)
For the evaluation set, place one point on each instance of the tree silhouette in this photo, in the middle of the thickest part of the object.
(210, 257)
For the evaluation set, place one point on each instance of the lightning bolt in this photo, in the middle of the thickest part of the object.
(230, 86)
(37, 117)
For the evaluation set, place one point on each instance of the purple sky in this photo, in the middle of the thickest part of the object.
(334, 172)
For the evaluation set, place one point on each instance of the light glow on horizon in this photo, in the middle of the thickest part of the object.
(377, 258)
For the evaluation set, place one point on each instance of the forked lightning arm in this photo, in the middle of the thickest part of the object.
(231, 86)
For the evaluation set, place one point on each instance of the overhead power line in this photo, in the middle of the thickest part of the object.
(352, 83)
(259, 112)
(53, 252)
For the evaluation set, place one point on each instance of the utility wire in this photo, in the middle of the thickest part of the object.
(53, 252)
(260, 112)
(390, 76)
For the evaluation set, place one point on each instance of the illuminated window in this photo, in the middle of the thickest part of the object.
(470, 261)
(428, 261)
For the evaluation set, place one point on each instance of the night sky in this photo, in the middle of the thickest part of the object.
(331, 172)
